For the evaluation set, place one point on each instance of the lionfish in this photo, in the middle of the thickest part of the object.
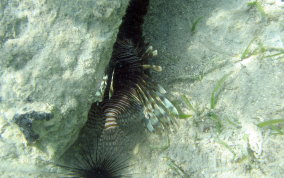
(129, 88)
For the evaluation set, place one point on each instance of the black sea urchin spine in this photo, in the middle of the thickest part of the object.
(128, 75)
(132, 89)
(125, 73)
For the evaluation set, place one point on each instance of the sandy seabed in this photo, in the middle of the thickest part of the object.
(223, 66)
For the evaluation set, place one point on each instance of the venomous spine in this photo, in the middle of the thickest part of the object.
(129, 88)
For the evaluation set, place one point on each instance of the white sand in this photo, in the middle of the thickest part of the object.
(194, 63)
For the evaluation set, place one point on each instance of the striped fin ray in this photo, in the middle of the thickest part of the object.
(122, 101)
(132, 84)
(158, 93)
(157, 106)
(163, 107)
(127, 119)
(149, 53)
(154, 113)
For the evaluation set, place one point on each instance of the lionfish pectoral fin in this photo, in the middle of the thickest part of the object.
(148, 54)
(157, 107)
(153, 67)
(161, 89)
(151, 52)
(149, 125)
(149, 49)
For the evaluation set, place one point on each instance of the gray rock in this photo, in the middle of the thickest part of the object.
(53, 56)
(25, 122)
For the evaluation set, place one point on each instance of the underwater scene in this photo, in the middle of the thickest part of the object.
(142, 88)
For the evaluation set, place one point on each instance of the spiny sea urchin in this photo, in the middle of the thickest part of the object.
(129, 88)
